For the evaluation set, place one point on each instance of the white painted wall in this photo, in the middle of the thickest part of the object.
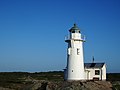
(75, 60)
(104, 72)
(90, 73)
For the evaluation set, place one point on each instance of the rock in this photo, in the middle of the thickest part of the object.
(116, 85)
(72, 85)
(1, 88)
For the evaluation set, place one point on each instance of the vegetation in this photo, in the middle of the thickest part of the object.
(114, 78)
(51, 76)
(16, 80)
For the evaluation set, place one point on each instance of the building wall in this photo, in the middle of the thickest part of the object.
(75, 67)
(75, 60)
(90, 73)
(104, 72)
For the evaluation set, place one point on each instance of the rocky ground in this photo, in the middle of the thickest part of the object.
(53, 81)
(73, 85)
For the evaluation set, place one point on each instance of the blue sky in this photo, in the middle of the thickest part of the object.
(32, 33)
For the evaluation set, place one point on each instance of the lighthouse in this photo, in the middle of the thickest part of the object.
(75, 57)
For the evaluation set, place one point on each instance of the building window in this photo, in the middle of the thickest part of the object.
(97, 72)
(78, 51)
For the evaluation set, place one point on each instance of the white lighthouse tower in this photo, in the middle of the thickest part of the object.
(75, 59)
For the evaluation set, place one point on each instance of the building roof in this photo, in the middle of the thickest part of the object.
(93, 65)
(74, 28)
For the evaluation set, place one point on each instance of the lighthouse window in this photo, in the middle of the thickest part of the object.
(78, 51)
(77, 31)
(73, 31)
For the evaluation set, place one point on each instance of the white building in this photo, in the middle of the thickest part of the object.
(76, 69)
(95, 71)
(75, 60)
